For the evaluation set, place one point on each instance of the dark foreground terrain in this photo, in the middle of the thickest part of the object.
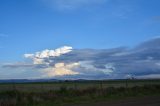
(92, 93)
(131, 101)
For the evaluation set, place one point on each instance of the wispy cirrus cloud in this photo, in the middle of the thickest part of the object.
(72, 4)
(3, 35)
(114, 8)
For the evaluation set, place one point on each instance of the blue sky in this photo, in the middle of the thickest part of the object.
(32, 25)
(28, 26)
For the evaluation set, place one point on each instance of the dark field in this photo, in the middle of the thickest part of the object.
(84, 93)
(133, 101)
(47, 86)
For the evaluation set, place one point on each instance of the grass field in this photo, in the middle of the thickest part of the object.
(74, 92)
(47, 86)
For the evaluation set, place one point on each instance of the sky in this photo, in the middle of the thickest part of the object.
(40, 37)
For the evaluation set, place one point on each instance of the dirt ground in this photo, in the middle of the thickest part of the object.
(138, 101)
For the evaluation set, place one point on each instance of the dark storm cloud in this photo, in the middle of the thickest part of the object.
(141, 60)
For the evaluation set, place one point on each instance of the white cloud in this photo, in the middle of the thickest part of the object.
(39, 61)
(28, 55)
(39, 57)
(60, 69)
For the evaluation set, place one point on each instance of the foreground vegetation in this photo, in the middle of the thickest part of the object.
(65, 95)
(79, 84)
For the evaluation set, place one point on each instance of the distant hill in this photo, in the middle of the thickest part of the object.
(27, 80)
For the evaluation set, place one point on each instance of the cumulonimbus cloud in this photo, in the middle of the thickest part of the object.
(46, 62)
(142, 61)
(57, 69)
